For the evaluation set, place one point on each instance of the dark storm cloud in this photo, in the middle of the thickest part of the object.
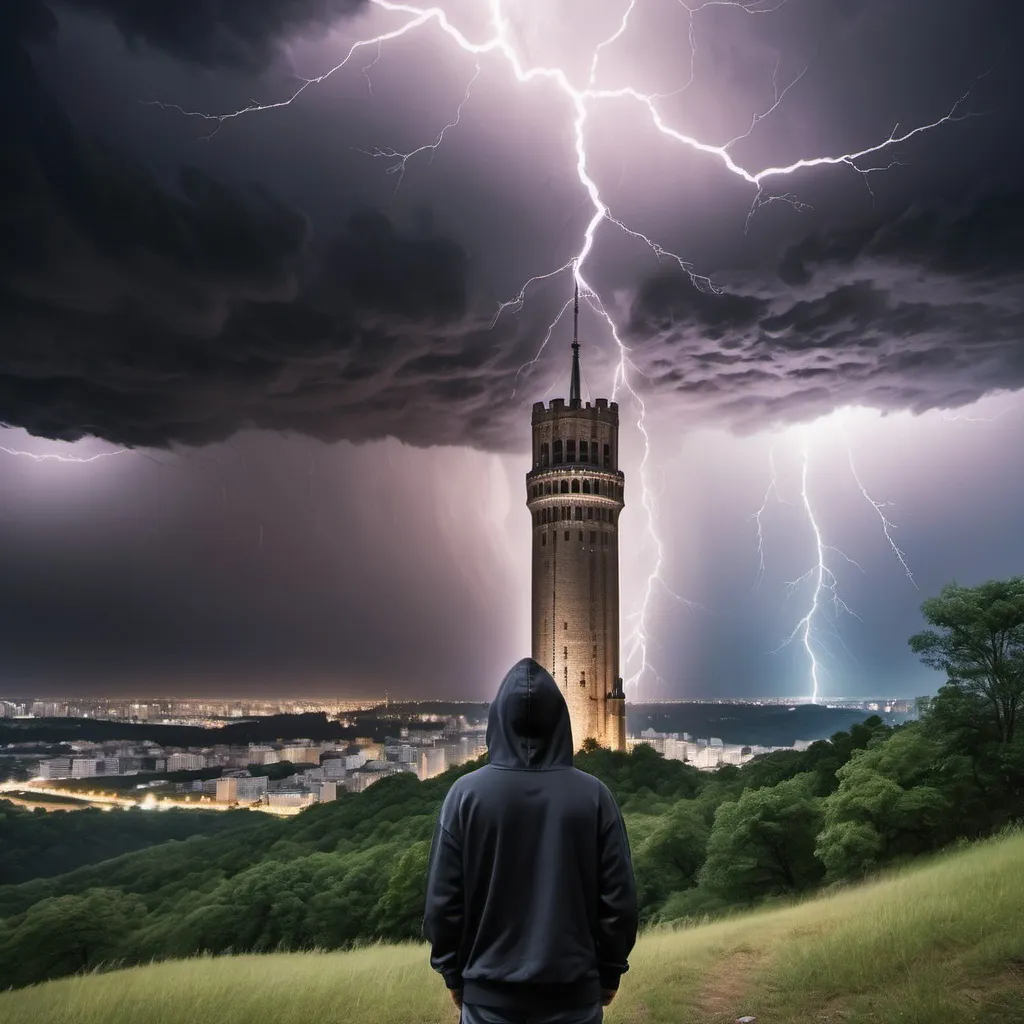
(244, 34)
(146, 316)
(149, 316)
(923, 311)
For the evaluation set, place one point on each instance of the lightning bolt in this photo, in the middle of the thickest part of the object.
(878, 506)
(773, 488)
(580, 99)
(825, 582)
(824, 579)
(57, 457)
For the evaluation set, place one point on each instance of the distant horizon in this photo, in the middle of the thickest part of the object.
(821, 701)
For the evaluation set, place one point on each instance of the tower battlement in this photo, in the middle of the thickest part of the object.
(600, 405)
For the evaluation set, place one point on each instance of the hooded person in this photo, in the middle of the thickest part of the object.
(531, 899)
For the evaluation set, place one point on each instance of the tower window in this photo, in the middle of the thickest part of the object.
(593, 453)
(565, 487)
(544, 454)
(565, 653)
(547, 487)
(566, 534)
(570, 451)
(579, 511)
(593, 536)
(607, 456)
(586, 486)
(575, 487)
(584, 457)
(543, 540)
(590, 512)
(581, 536)
(565, 625)
(556, 452)
(583, 679)
(565, 511)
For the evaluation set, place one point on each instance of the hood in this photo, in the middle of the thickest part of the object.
(528, 722)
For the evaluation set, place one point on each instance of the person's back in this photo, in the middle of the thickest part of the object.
(531, 901)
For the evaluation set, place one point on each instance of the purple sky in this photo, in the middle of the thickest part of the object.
(324, 491)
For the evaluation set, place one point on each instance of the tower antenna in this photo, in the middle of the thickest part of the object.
(574, 383)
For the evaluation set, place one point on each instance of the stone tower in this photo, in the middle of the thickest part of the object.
(574, 493)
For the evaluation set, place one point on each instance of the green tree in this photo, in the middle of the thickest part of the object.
(670, 858)
(763, 843)
(887, 806)
(979, 642)
(398, 915)
(66, 934)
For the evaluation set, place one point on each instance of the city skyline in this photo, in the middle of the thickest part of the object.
(261, 429)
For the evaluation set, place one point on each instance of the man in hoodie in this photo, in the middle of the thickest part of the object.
(531, 905)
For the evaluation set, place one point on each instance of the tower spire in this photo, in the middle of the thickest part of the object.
(574, 383)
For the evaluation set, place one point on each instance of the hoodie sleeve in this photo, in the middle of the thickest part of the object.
(444, 915)
(617, 912)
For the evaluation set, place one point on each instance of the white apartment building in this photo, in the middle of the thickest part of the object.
(262, 754)
(432, 761)
(327, 791)
(289, 798)
(334, 768)
(92, 767)
(353, 761)
(226, 790)
(300, 754)
(185, 762)
(250, 787)
(55, 768)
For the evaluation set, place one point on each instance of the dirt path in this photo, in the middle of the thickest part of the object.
(724, 996)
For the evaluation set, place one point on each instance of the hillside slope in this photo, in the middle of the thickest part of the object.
(940, 942)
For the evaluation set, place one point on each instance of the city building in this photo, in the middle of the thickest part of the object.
(432, 761)
(184, 762)
(575, 494)
(289, 798)
(226, 790)
(93, 767)
(55, 768)
(364, 777)
(300, 754)
(250, 787)
(262, 754)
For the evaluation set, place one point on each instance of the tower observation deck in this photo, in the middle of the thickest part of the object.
(575, 494)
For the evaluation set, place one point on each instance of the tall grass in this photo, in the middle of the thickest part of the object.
(942, 942)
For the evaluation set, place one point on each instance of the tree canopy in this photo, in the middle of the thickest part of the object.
(979, 643)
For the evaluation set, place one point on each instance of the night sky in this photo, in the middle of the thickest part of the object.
(279, 342)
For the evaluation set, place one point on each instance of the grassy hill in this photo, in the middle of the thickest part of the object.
(943, 941)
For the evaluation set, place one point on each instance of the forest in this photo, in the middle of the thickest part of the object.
(703, 843)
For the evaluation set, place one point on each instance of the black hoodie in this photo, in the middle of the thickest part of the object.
(531, 900)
